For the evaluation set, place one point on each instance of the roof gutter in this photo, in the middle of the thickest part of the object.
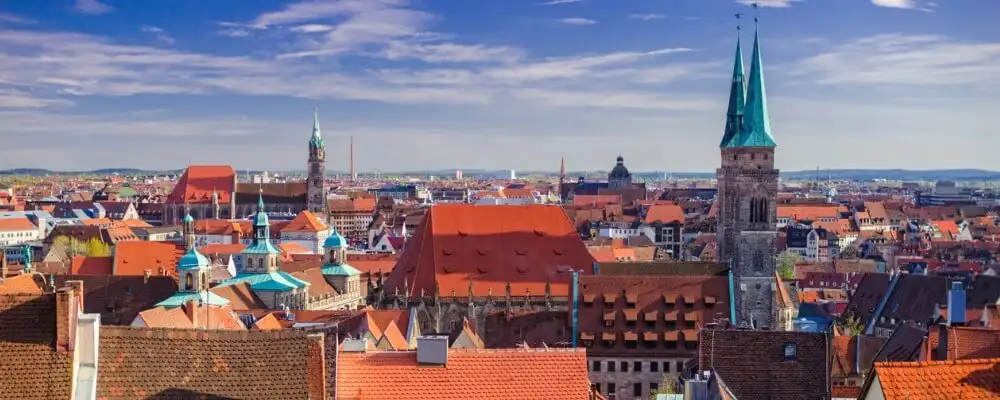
(732, 297)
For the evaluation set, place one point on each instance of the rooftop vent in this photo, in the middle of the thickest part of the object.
(355, 345)
(432, 350)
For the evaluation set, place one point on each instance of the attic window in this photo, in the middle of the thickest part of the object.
(788, 351)
(462, 233)
(539, 233)
(448, 252)
(520, 252)
(558, 252)
(482, 252)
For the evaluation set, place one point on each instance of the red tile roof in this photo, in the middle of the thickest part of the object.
(91, 265)
(524, 374)
(16, 224)
(664, 213)
(32, 367)
(526, 245)
(305, 222)
(200, 181)
(966, 343)
(135, 257)
(963, 379)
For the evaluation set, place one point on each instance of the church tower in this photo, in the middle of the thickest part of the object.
(747, 191)
(261, 257)
(315, 192)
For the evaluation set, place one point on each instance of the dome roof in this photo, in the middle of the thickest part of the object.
(193, 260)
(335, 240)
(188, 218)
(619, 171)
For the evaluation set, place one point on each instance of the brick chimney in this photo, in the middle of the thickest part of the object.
(316, 365)
(78, 288)
(67, 312)
(191, 310)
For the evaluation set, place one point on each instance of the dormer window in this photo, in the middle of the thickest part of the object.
(788, 350)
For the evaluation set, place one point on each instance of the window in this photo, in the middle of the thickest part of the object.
(637, 389)
(611, 388)
(666, 367)
(611, 366)
(624, 366)
(680, 366)
(654, 387)
(597, 366)
(789, 351)
(637, 366)
(654, 366)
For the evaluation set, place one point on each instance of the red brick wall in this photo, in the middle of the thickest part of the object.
(316, 367)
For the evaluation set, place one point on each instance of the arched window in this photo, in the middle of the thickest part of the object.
(189, 281)
(753, 210)
(762, 214)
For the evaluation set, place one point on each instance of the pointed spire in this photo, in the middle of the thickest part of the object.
(260, 200)
(317, 137)
(562, 167)
(737, 99)
(756, 129)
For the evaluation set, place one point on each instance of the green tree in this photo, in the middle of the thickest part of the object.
(667, 386)
(97, 248)
(74, 247)
(785, 262)
(851, 326)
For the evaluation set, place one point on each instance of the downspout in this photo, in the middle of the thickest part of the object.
(881, 304)
(576, 300)
(732, 298)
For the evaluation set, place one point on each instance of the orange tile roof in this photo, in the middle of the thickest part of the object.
(966, 343)
(305, 222)
(23, 284)
(91, 265)
(16, 224)
(135, 257)
(216, 248)
(524, 374)
(200, 181)
(136, 223)
(664, 213)
(491, 245)
(812, 211)
(963, 379)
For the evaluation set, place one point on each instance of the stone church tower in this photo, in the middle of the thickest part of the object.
(315, 191)
(748, 189)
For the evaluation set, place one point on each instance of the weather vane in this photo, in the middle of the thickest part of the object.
(738, 16)
(756, 6)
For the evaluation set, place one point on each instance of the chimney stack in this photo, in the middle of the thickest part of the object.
(941, 352)
(432, 350)
(956, 304)
(316, 362)
(67, 312)
(191, 310)
(78, 288)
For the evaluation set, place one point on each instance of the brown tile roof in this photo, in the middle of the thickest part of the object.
(273, 193)
(849, 355)
(676, 302)
(118, 299)
(240, 296)
(32, 367)
(138, 363)
(525, 245)
(753, 363)
(963, 379)
(505, 330)
(866, 297)
(662, 268)
(965, 343)
(525, 374)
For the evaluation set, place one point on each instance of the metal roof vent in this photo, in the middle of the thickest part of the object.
(432, 350)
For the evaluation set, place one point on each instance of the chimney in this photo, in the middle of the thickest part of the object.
(956, 304)
(67, 312)
(191, 310)
(432, 350)
(941, 352)
(146, 274)
(78, 288)
(316, 365)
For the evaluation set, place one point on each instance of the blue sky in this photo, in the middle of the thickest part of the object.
(426, 84)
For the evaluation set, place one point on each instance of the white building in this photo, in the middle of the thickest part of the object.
(14, 231)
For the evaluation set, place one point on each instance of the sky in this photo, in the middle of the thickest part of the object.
(495, 84)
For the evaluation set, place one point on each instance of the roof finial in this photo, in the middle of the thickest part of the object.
(756, 6)
(260, 198)
(738, 26)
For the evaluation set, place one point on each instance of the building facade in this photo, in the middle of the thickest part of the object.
(748, 189)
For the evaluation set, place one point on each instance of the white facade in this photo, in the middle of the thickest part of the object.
(313, 241)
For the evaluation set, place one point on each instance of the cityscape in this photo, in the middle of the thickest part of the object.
(214, 261)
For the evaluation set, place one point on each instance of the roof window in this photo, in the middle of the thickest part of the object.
(788, 351)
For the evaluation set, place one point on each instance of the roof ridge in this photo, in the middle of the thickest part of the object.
(203, 334)
(975, 361)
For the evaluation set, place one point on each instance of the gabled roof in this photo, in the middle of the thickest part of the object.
(305, 222)
(135, 257)
(965, 343)
(198, 183)
(144, 362)
(963, 379)
(525, 245)
(526, 374)
(32, 367)
(754, 366)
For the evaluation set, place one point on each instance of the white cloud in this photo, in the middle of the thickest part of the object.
(450, 52)
(92, 7)
(897, 59)
(768, 3)
(577, 21)
(158, 33)
(906, 4)
(646, 17)
(12, 99)
(311, 28)
(557, 2)
(15, 19)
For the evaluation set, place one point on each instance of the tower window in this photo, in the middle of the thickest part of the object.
(734, 157)
(765, 156)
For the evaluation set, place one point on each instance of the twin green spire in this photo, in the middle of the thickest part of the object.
(747, 124)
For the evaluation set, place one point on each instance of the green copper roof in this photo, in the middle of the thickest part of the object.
(756, 129)
(193, 260)
(737, 99)
(260, 219)
(273, 282)
(340, 270)
(334, 240)
(178, 299)
(261, 247)
(317, 138)
(188, 218)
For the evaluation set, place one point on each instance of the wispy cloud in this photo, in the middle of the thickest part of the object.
(92, 7)
(577, 21)
(14, 99)
(768, 3)
(898, 59)
(158, 33)
(311, 28)
(906, 4)
(646, 17)
(15, 19)
(557, 2)
(450, 52)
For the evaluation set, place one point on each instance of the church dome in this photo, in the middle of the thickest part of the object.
(188, 218)
(335, 240)
(619, 171)
(193, 260)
